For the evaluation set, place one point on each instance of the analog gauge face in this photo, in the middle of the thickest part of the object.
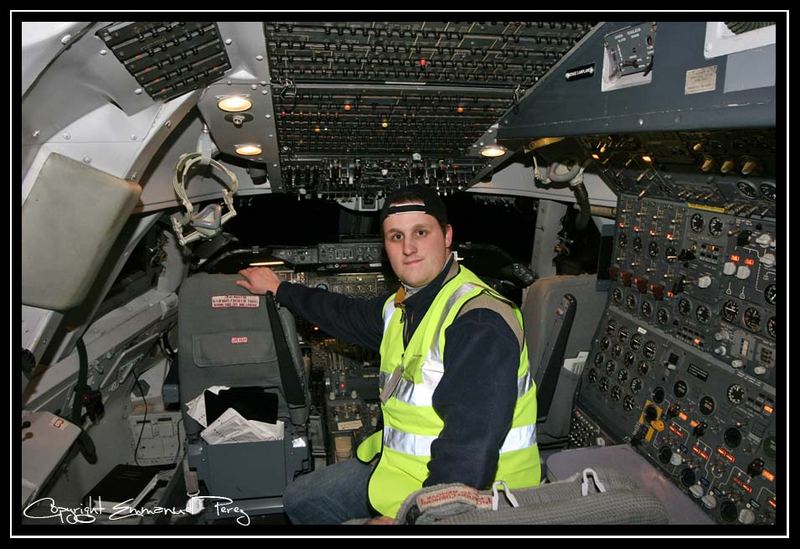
(680, 388)
(636, 385)
(736, 394)
(770, 293)
(670, 254)
(644, 367)
(598, 359)
(636, 342)
(730, 311)
(616, 295)
(652, 249)
(752, 319)
(767, 191)
(684, 307)
(628, 403)
(603, 384)
(629, 358)
(623, 334)
(592, 375)
(616, 350)
(647, 309)
(707, 405)
(649, 349)
(697, 223)
(637, 244)
(610, 367)
(747, 189)
(622, 240)
(630, 302)
(616, 393)
(611, 328)
(622, 376)
(702, 314)
(604, 343)
(715, 226)
(663, 315)
(771, 328)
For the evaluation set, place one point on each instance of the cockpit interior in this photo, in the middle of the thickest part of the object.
(627, 203)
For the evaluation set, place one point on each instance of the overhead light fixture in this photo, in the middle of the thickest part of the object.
(493, 151)
(248, 150)
(234, 103)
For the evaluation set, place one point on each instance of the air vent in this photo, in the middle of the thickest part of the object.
(740, 27)
(168, 59)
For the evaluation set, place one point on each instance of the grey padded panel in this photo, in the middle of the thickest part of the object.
(538, 312)
(70, 220)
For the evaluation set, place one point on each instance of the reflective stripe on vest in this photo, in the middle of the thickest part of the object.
(517, 438)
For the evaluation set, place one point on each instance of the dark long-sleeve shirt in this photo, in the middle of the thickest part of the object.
(475, 397)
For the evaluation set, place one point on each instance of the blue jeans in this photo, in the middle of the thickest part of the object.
(331, 495)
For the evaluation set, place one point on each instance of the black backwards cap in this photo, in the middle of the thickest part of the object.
(415, 198)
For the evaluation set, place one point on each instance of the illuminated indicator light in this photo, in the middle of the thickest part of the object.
(746, 487)
(697, 341)
(670, 295)
(316, 328)
(670, 236)
(735, 258)
(768, 409)
(348, 107)
(317, 130)
(749, 261)
(683, 417)
(248, 150)
(423, 63)
(460, 109)
(675, 429)
(384, 123)
(596, 156)
(621, 225)
(234, 103)
(652, 232)
(636, 228)
(283, 114)
(647, 158)
(772, 503)
(768, 475)
(698, 452)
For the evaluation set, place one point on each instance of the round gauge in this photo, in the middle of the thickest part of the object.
(707, 405)
(715, 226)
(592, 375)
(736, 394)
(616, 295)
(628, 403)
(663, 315)
(646, 309)
(616, 350)
(630, 302)
(770, 293)
(603, 384)
(644, 367)
(610, 367)
(652, 248)
(684, 307)
(622, 376)
(670, 254)
(767, 191)
(649, 349)
(599, 359)
(637, 244)
(636, 342)
(629, 358)
(616, 393)
(604, 343)
(622, 240)
(697, 223)
(752, 319)
(747, 189)
(623, 334)
(730, 311)
(771, 327)
(702, 314)
(636, 385)
(611, 328)
(680, 388)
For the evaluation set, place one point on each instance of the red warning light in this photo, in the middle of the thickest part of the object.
(423, 62)
(460, 109)
(749, 261)
(735, 258)
(348, 107)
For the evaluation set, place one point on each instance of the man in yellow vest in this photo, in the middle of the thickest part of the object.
(458, 402)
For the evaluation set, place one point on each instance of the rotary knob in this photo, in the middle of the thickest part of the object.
(709, 501)
(768, 260)
(729, 268)
(763, 240)
(747, 516)
(696, 491)
(743, 272)
(704, 281)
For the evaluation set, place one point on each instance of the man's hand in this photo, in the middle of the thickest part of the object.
(259, 280)
(381, 520)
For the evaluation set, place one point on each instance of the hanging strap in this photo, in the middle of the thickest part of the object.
(292, 388)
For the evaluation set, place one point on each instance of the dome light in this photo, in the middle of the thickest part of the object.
(234, 103)
(248, 150)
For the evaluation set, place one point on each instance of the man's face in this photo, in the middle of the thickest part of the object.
(416, 246)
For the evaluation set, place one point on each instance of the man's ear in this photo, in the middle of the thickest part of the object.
(448, 236)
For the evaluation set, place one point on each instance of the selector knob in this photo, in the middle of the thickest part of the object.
(696, 491)
(738, 363)
(743, 272)
(700, 429)
(676, 459)
(709, 501)
(760, 370)
(768, 260)
(756, 467)
(729, 268)
(721, 351)
(332, 395)
(704, 281)
(747, 516)
(763, 240)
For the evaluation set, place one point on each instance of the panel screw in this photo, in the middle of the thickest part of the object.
(66, 38)
(259, 57)
(228, 41)
(138, 91)
(103, 52)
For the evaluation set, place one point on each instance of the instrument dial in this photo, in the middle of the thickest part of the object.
(747, 189)
(752, 319)
(623, 334)
(636, 385)
(622, 240)
(663, 315)
(770, 294)
(702, 314)
(670, 254)
(736, 394)
(592, 375)
(603, 384)
(616, 392)
(628, 403)
(616, 295)
(622, 376)
(637, 244)
(652, 249)
(605, 343)
(644, 367)
(680, 389)
(767, 191)
(650, 349)
(696, 223)
(599, 359)
(646, 309)
(636, 342)
(684, 307)
(630, 302)
(610, 367)
(730, 311)
(771, 328)
(715, 226)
